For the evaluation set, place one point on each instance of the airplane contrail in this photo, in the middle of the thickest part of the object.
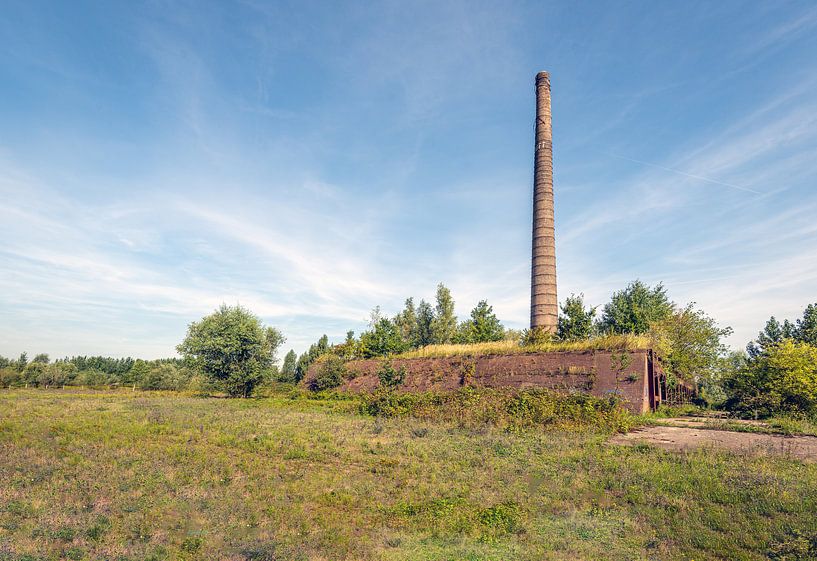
(699, 177)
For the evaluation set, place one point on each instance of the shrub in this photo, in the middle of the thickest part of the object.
(390, 377)
(10, 377)
(784, 378)
(163, 377)
(536, 336)
(94, 378)
(331, 372)
(508, 408)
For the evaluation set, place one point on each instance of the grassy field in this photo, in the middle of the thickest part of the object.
(124, 475)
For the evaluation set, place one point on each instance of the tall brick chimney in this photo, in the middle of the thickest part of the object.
(544, 307)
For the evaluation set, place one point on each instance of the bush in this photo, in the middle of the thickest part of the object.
(508, 408)
(783, 378)
(10, 378)
(94, 378)
(536, 336)
(331, 372)
(389, 377)
(163, 376)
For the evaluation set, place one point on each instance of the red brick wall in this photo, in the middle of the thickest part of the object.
(593, 372)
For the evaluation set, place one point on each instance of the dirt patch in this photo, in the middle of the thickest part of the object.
(685, 438)
(709, 422)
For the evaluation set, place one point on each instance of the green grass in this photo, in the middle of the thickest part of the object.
(135, 476)
(601, 343)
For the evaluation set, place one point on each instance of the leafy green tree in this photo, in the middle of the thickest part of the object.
(138, 372)
(575, 321)
(806, 330)
(5, 362)
(33, 373)
(306, 359)
(288, 368)
(162, 376)
(635, 308)
(382, 340)
(444, 325)
(41, 358)
(231, 346)
(773, 333)
(10, 377)
(21, 362)
(391, 378)
(350, 349)
(783, 378)
(406, 323)
(483, 326)
(302, 367)
(690, 344)
(424, 333)
(331, 371)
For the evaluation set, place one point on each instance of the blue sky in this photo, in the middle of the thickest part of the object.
(312, 160)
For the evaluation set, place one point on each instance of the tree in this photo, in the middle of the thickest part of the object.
(406, 323)
(690, 344)
(783, 378)
(483, 326)
(231, 346)
(41, 358)
(22, 362)
(138, 372)
(806, 330)
(306, 359)
(635, 308)
(302, 367)
(331, 373)
(424, 334)
(288, 368)
(773, 333)
(391, 378)
(444, 325)
(575, 322)
(382, 340)
(162, 376)
(348, 350)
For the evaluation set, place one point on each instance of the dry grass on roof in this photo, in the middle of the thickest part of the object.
(601, 343)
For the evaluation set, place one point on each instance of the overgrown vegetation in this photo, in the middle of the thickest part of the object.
(414, 327)
(134, 476)
(601, 342)
(331, 373)
(231, 351)
(505, 408)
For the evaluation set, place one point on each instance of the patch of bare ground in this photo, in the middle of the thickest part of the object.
(689, 433)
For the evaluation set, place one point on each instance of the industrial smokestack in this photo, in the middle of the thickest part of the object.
(544, 307)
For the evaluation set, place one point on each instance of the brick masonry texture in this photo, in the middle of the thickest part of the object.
(593, 372)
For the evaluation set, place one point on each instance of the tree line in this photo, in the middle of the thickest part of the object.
(415, 326)
(232, 351)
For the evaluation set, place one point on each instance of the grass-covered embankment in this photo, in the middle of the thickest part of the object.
(129, 475)
(600, 343)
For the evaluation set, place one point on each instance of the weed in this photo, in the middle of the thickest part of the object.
(192, 544)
